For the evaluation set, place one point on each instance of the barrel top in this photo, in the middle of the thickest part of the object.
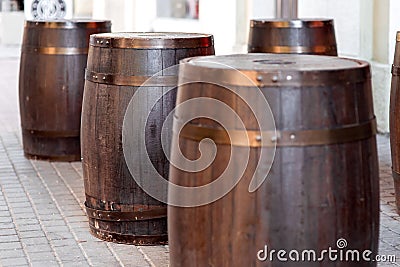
(273, 68)
(274, 62)
(68, 24)
(291, 23)
(152, 40)
(398, 36)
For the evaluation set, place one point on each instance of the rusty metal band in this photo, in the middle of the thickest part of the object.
(126, 216)
(116, 79)
(295, 49)
(51, 134)
(129, 238)
(100, 25)
(113, 206)
(396, 175)
(151, 43)
(395, 70)
(52, 50)
(294, 23)
(345, 134)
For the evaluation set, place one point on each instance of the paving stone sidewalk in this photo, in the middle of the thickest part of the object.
(42, 220)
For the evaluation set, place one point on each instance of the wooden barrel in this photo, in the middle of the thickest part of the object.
(297, 36)
(51, 81)
(394, 119)
(323, 185)
(118, 64)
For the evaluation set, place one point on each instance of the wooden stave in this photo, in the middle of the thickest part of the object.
(198, 236)
(394, 125)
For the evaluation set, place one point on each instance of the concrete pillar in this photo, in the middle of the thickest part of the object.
(286, 9)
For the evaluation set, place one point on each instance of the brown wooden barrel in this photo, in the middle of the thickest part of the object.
(118, 64)
(394, 119)
(51, 81)
(296, 36)
(323, 185)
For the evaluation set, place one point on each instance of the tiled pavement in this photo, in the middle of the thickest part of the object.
(42, 220)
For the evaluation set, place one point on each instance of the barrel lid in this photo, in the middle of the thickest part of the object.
(273, 69)
(291, 23)
(152, 40)
(68, 24)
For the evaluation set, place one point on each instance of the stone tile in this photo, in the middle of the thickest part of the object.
(29, 227)
(35, 241)
(9, 238)
(5, 213)
(20, 216)
(9, 231)
(64, 243)
(56, 229)
(42, 256)
(44, 263)
(37, 248)
(59, 235)
(5, 220)
(27, 221)
(14, 262)
(76, 264)
(31, 234)
(82, 218)
(12, 253)
(57, 222)
(10, 246)
(70, 254)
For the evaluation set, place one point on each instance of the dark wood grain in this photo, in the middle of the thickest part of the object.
(51, 88)
(313, 196)
(109, 185)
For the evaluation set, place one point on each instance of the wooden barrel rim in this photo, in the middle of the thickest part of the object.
(314, 137)
(121, 80)
(158, 40)
(126, 216)
(291, 23)
(398, 36)
(69, 24)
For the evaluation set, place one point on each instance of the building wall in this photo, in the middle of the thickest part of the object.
(365, 29)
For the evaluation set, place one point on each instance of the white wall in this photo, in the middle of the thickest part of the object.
(365, 29)
(347, 20)
(126, 15)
